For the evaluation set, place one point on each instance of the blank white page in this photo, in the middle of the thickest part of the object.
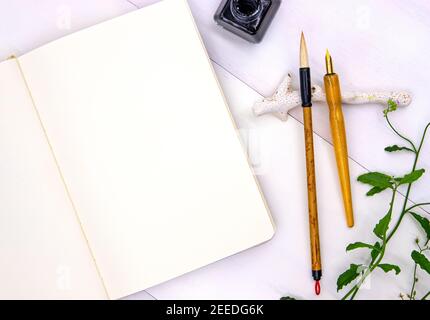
(147, 146)
(43, 251)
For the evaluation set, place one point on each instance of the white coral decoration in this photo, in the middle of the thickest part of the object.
(285, 98)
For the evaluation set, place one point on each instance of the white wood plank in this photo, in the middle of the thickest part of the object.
(375, 45)
(281, 266)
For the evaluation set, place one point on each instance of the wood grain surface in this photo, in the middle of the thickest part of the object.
(338, 133)
(312, 191)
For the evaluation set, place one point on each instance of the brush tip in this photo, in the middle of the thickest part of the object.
(303, 52)
(302, 38)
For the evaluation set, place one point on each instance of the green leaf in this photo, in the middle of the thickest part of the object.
(389, 267)
(374, 191)
(381, 228)
(376, 249)
(376, 179)
(348, 276)
(395, 148)
(391, 106)
(410, 177)
(356, 245)
(421, 260)
(424, 222)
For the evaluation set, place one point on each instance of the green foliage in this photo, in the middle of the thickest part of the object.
(391, 106)
(357, 245)
(424, 223)
(389, 267)
(376, 179)
(374, 191)
(421, 260)
(381, 228)
(348, 276)
(410, 177)
(380, 182)
(395, 148)
(375, 252)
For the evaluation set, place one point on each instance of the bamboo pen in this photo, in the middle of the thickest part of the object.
(337, 124)
(306, 96)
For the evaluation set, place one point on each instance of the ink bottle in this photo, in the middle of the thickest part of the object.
(248, 19)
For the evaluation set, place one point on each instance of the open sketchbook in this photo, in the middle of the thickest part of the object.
(120, 165)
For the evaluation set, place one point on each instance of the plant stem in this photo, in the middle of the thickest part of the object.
(355, 293)
(425, 297)
(412, 294)
(424, 135)
(417, 205)
(417, 155)
(405, 202)
(354, 290)
(400, 135)
(386, 238)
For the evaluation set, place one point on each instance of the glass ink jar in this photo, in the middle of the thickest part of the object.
(248, 19)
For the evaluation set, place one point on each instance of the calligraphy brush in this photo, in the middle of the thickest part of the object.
(306, 96)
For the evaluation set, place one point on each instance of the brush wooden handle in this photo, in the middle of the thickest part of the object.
(337, 124)
(312, 192)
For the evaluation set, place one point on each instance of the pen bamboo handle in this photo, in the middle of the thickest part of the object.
(312, 193)
(334, 101)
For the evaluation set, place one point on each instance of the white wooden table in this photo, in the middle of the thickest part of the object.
(380, 44)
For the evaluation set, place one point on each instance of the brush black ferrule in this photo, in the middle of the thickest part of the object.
(316, 275)
(305, 87)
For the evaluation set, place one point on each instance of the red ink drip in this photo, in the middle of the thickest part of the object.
(317, 288)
